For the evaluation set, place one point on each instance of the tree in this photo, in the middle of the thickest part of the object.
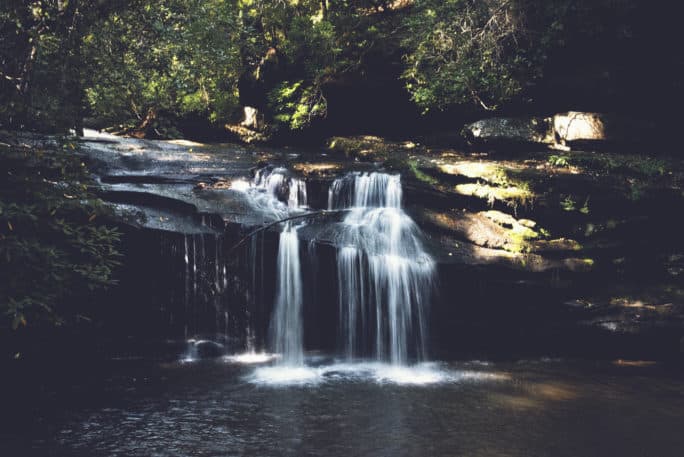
(173, 56)
(481, 51)
(42, 64)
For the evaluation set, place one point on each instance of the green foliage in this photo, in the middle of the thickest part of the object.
(295, 105)
(568, 203)
(136, 63)
(482, 51)
(54, 249)
(170, 56)
(561, 161)
(39, 70)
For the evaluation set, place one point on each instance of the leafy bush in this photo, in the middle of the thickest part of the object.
(54, 249)
(559, 160)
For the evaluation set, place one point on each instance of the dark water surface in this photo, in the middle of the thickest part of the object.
(222, 408)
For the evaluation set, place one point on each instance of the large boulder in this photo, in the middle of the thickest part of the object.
(576, 126)
(561, 131)
(509, 130)
(581, 127)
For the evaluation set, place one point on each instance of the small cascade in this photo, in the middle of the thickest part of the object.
(275, 192)
(286, 322)
(385, 277)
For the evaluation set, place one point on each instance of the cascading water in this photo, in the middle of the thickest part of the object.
(385, 277)
(286, 323)
(287, 327)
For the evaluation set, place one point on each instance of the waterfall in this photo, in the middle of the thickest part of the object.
(286, 322)
(287, 312)
(385, 277)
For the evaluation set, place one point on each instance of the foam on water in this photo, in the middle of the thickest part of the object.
(423, 374)
(285, 375)
(251, 358)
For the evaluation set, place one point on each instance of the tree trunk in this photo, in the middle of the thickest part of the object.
(142, 130)
(25, 77)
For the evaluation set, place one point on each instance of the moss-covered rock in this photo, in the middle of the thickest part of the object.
(370, 148)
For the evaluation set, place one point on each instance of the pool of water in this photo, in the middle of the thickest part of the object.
(247, 406)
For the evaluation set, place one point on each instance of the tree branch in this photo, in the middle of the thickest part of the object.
(290, 218)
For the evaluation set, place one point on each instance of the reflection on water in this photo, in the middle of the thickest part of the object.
(226, 407)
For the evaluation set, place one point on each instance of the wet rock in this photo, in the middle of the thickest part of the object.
(205, 349)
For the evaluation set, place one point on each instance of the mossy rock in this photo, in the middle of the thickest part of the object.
(370, 148)
(511, 195)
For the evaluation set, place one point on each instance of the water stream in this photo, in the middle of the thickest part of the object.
(385, 277)
(287, 330)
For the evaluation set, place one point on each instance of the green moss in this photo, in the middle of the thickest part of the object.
(520, 238)
(420, 175)
(488, 172)
(497, 185)
(362, 147)
(512, 195)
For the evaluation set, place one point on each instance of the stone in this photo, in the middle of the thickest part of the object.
(559, 131)
(577, 127)
(509, 130)
(253, 119)
(208, 349)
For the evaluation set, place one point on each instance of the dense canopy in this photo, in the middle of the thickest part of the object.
(169, 64)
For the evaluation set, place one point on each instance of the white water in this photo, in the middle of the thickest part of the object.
(287, 329)
(381, 373)
(385, 277)
(287, 326)
(277, 193)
